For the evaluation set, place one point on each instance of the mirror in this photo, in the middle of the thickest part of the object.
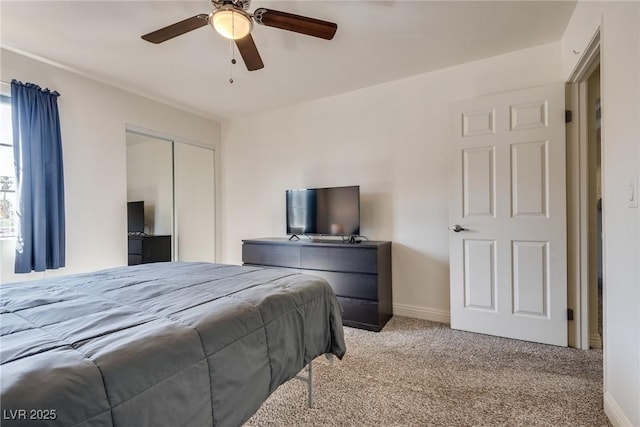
(149, 179)
(175, 180)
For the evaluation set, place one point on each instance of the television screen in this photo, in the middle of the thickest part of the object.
(324, 211)
(135, 217)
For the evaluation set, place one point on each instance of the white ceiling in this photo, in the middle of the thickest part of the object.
(376, 42)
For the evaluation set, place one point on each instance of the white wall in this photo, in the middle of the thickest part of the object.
(620, 84)
(93, 119)
(392, 140)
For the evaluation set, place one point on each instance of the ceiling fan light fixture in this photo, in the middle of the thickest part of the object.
(231, 22)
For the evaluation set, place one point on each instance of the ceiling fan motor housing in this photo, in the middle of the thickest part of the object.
(240, 4)
(231, 22)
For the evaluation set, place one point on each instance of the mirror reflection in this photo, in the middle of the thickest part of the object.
(149, 199)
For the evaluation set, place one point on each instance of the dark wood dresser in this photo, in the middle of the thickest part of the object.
(145, 249)
(359, 273)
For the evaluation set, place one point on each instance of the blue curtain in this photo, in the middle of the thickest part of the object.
(37, 147)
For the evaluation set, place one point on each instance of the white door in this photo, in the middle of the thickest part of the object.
(508, 264)
(194, 188)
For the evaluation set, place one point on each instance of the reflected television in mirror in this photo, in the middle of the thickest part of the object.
(135, 217)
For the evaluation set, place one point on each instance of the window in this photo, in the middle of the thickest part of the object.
(7, 170)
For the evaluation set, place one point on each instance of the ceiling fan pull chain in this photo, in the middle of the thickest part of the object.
(232, 50)
(232, 53)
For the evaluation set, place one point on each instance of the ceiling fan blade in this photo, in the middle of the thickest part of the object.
(296, 23)
(177, 29)
(249, 52)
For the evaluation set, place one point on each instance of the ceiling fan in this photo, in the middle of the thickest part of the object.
(231, 19)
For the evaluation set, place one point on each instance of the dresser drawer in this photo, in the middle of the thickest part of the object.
(354, 285)
(360, 313)
(273, 255)
(134, 259)
(276, 267)
(135, 246)
(351, 259)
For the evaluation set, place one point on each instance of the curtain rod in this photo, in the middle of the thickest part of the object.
(6, 88)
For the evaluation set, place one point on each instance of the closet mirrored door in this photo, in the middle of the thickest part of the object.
(150, 225)
(176, 182)
(194, 202)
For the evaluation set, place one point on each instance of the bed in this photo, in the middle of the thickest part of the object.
(165, 344)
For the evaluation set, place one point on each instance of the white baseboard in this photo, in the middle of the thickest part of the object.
(425, 313)
(614, 413)
(595, 341)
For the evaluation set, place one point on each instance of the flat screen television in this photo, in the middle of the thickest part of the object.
(331, 211)
(135, 217)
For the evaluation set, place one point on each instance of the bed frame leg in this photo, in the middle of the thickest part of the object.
(309, 380)
(310, 384)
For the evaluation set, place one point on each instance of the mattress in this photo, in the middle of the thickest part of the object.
(164, 344)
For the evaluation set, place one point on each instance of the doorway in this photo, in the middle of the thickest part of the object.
(594, 185)
(585, 201)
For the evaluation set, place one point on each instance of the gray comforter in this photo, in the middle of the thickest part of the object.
(167, 344)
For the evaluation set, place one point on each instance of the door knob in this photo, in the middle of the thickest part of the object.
(458, 228)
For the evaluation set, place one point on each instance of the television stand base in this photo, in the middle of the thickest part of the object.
(293, 236)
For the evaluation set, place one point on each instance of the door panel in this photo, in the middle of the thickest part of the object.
(530, 282)
(476, 123)
(195, 202)
(478, 181)
(507, 187)
(480, 274)
(529, 184)
(529, 116)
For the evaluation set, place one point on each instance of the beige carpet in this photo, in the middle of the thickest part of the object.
(420, 373)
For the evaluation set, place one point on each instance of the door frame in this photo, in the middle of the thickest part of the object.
(578, 196)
